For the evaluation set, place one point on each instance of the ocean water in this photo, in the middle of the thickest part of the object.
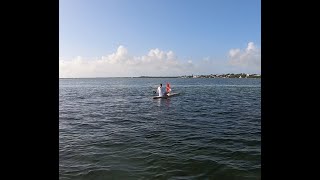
(111, 128)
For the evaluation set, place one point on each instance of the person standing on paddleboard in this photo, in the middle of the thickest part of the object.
(168, 89)
(160, 90)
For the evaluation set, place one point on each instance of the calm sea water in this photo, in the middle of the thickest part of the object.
(111, 128)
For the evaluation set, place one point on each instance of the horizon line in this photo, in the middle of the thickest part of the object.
(153, 76)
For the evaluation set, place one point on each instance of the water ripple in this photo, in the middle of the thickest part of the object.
(112, 129)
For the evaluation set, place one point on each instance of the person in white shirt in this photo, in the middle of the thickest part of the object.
(160, 90)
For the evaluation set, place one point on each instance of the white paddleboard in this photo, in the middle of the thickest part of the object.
(165, 97)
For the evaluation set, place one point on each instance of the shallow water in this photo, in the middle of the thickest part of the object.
(111, 128)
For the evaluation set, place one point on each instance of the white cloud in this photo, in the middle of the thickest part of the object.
(157, 62)
(247, 60)
(120, 63)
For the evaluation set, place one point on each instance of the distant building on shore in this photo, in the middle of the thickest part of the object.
(240, 75)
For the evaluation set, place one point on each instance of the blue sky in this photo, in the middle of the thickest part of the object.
(200, 33)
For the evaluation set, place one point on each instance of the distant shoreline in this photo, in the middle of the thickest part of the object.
(157, 77)
(229, 75)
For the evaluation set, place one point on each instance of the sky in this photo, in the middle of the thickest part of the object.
(125, 38)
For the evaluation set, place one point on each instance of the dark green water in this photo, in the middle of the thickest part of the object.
(111, 128)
